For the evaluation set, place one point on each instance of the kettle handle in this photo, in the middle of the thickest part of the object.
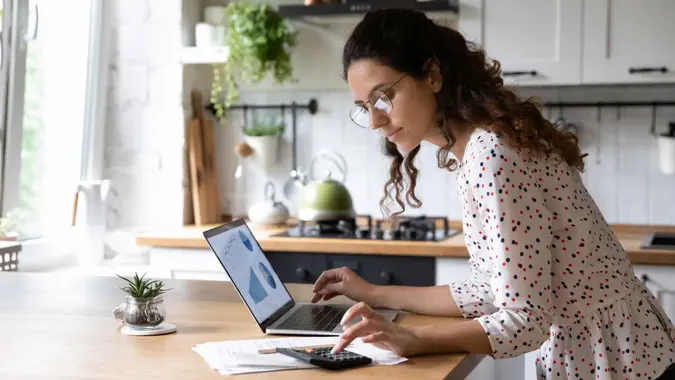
(75, 201)
(269, 186)
(341, 165)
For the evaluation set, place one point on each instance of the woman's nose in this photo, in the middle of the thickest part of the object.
(377, 118)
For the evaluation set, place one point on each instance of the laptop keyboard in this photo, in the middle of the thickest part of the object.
(314, 317)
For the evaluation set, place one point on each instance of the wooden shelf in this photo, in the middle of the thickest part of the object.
(204, 55)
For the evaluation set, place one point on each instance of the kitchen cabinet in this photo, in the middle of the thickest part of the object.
(573, 42)
(627, 41)
(306, 267)
(536, 42)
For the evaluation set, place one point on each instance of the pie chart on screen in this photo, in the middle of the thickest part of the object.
(268, 276)
(246, 241)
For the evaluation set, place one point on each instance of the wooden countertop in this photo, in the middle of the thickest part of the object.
(61, 327)
(630, 237)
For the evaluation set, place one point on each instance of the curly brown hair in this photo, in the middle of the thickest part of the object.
(473, 94)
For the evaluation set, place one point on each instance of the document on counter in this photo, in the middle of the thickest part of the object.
(242, 356)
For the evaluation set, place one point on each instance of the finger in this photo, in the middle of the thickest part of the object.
(359, 309)
(316, 297)
(377, 337)
(325, 296)
(330, 296)
(363, 328)
(326, 277)
(382, 346)
(329, 291)
(341, 344)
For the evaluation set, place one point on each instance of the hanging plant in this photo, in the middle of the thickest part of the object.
(260, 42)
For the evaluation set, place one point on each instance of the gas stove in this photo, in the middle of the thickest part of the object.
(417, 228)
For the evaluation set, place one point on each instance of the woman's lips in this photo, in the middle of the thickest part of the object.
(392, 136)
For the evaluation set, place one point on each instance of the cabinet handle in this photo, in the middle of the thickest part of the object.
(638, 70)
(518, 73)
(385, 278)
(301, 274)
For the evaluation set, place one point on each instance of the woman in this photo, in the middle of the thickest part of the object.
(547, 271)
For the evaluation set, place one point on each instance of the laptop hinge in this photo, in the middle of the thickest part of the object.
(278, 314)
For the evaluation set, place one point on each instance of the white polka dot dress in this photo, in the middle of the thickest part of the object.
(548, 273)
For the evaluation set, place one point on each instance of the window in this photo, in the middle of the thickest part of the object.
(47, 57)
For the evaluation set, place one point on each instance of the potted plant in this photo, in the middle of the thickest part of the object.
(9, 226)
(263, 137)
(260, 41)
(144, 307)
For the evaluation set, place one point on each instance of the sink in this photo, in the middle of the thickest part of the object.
(659, 240)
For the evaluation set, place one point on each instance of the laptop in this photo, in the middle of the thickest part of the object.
(265, 296)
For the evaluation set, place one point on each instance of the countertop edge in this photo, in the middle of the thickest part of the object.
(630, 237)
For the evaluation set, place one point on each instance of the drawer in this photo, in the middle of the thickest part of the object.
(305, 268)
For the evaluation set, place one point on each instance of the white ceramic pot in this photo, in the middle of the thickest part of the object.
(667, 154)
(268, 211)
(207, 35)
(265, 149)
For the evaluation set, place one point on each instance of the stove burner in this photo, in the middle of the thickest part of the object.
(419, 228)
(329, 228)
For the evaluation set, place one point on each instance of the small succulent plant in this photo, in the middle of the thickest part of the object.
(140, 287)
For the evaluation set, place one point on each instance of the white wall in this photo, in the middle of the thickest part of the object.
(144, 123)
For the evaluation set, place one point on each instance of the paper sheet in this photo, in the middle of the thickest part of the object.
(238, 357)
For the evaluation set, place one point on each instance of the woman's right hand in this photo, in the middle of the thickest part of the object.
(342, 281)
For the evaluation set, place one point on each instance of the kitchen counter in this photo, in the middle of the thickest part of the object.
(630, 237)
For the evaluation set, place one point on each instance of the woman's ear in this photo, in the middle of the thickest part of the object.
(434, 77)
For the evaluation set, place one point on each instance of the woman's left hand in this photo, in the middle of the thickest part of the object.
(376, 330)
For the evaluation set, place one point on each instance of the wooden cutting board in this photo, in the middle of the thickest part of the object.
(198, 185)
(188, 208)
(202, 158)
(211, 175)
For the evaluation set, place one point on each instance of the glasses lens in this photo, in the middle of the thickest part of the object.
(360, 116)
(381, 102)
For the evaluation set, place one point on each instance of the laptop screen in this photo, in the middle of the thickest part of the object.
(248, 269)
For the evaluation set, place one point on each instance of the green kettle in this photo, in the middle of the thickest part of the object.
(326, 199)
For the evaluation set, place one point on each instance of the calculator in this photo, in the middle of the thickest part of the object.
(322, 357)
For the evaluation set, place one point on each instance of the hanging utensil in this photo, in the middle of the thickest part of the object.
(562, 124)
(242, 151)
(298, 179)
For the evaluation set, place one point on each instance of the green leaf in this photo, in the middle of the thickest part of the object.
(260, 43)
(140, 287)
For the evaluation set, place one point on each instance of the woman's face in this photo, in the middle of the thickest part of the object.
(406, 114)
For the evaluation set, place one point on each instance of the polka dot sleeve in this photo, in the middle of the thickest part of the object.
(473, 297)
(516, 227)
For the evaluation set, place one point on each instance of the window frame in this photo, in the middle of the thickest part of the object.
(12, 93)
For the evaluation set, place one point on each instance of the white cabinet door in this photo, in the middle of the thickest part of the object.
(537, 42)
(628, 41)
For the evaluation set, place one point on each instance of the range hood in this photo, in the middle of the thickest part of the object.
(356, 9)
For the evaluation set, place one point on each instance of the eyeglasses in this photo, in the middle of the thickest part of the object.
(378, 99)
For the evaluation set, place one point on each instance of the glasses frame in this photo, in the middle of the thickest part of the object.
(370, 105)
